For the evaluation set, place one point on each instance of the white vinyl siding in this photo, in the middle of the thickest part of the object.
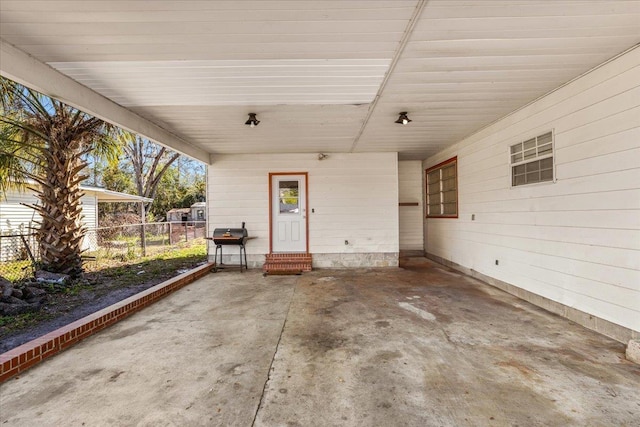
(576, 242)
(351, 197)
(90, 210)
(90, 219)
(16, 218)
(410, 216)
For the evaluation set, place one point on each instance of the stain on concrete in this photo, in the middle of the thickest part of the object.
(324, 311)
(114, 377)
(233, 369)
(384, 356)
(44, 393)
(382, 324)
(126, 332)
(519, 367)
(89, 374)
(323, 341)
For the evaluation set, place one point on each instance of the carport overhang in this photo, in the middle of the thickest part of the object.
(28, 71)
(334, 75)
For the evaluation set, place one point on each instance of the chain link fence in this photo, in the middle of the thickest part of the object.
(140, 239)
(19, 252)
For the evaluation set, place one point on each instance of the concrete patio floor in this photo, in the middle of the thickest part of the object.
(420, 346)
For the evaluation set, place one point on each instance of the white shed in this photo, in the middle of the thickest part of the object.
(199, 211)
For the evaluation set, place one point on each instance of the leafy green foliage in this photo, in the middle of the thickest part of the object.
(117, 178)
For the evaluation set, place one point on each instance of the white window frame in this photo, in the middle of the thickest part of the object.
(537, 158)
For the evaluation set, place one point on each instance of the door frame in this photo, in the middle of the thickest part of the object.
(306, 207)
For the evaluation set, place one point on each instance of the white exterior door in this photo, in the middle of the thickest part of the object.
(289, 213)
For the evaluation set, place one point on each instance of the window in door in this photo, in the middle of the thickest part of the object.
(289, 197)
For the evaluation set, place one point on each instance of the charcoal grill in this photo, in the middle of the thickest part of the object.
(230, 237)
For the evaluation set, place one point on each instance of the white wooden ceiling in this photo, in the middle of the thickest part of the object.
(322, 75)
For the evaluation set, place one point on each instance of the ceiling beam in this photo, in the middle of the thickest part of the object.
(396, 57)
(23, 68)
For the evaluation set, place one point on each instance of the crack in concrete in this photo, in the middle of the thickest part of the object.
(264, 388)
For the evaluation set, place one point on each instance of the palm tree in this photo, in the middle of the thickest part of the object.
(46, 142)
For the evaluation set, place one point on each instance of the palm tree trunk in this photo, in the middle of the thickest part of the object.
(61, 229)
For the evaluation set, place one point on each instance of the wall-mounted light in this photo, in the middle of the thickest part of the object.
(253, 122)
(403, 119)
(322, 156)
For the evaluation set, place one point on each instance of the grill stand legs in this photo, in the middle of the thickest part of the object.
(220, 266)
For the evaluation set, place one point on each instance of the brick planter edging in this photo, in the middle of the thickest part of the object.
(21, 358)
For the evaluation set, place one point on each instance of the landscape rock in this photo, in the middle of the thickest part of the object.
(47, 287)
(37, 300)
(18, 300)
(31, 292)
(14, 309)
(13, 300)
(48, 277)
(6, 286)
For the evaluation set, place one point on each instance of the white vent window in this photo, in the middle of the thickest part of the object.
(532, 160)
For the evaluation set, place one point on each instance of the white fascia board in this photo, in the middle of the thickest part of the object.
(104, 195)
(23, 68)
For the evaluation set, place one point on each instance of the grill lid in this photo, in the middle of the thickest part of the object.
(230, 236)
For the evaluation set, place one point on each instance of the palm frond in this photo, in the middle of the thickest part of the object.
(24, 126)
(13, 174)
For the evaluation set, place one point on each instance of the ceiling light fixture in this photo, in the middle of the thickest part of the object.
(403, 119)
(253, 122)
